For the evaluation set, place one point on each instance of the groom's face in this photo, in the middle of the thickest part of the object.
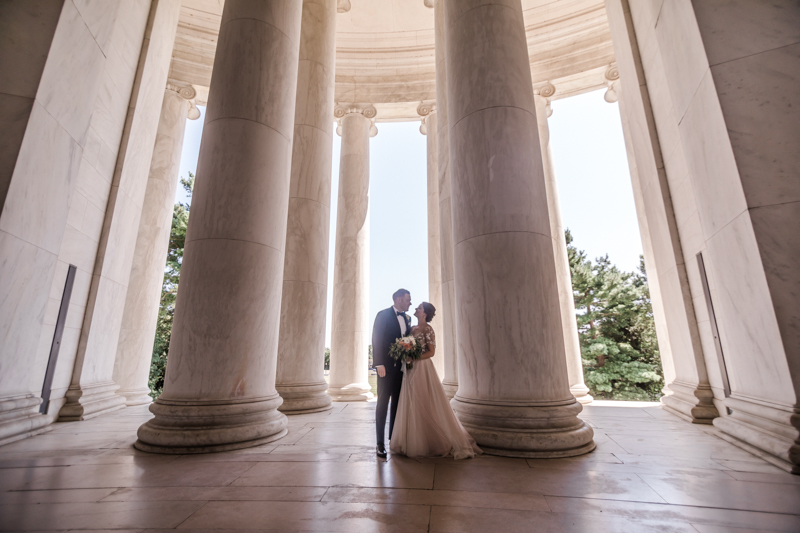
(403, 303)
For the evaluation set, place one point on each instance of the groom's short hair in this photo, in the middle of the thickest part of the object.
(399, 293)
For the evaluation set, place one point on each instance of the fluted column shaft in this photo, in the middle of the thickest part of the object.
(219, 390)
(513, 394)
(139, 318)
(447, 336)
(429, 126)
(301, 345)
(566, 300)
(349, 380)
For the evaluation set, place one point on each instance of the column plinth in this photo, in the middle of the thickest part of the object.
(513, 394)
(219, 389)
(301, 345)
(349, 377)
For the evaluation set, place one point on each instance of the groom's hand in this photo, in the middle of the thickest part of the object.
(381, 371)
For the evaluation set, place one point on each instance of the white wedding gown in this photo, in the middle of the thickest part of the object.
(426, 425)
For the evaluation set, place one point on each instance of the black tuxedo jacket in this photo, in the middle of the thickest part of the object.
(384, 333)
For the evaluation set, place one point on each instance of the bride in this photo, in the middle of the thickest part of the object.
(426, 425)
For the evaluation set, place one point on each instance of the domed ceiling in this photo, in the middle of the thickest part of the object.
(385, 50)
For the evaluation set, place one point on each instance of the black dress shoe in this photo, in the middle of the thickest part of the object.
(380, 451)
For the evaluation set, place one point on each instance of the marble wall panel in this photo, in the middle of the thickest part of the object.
(773, 25)
(709, 157)
(758, 98)
(14, 114)
(99, 17)
(25, 268)
(748, 328)
(678, 42)
(37, 202)
(75, 56)
(26, 32)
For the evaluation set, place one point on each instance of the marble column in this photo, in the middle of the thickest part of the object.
(447, 335)
(350, 331)
(135, 345)
(429, 129)
(513, 394)
(566, 301)
(219, 391)
(301, 344)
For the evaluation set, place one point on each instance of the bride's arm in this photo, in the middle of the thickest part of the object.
(430, 353)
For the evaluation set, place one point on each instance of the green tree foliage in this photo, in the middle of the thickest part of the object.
(327, 358)
(169, 290)
(616, 328)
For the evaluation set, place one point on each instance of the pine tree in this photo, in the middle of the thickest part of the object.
(616, 328)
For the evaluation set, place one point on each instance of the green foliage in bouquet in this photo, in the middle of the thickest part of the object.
(406, 349)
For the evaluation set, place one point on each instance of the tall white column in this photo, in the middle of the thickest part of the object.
(447, 335)
(135, 346)
(349, 377)
(566, 301)
(219, 390)
(513, 394)
(301, 344)
(429, 128)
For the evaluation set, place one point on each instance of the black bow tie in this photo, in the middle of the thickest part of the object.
(400, 313)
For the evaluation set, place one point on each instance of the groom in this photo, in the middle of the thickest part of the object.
(390, 324)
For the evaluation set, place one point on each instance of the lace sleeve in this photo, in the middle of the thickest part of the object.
(430, 337)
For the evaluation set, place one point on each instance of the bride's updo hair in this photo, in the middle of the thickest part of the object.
(430, 311)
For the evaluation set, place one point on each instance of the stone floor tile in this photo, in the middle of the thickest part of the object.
(489, 500)
(69, 460)
(308, 516)
(338, 436)
(678, 446)
(308, 494)
(701, 528)
(461, 520)
(390, 474)
(545, 481)
(660, 511)
(321, 449)
(122, 475)
(104, 515)
(622, 468)
(27, 497)
(743, 495)
(757, 465)
(777, 477)
(619, 412)
(669, 461)
(480, 460)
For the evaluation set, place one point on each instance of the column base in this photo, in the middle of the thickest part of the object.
(20, 418)
(355, 392)
(764, 430)
(302, 399)
(197, 426)
(88, 401)
(136, 396)
(581, 393)
(692, 403)
(450, 388)
(540, 430)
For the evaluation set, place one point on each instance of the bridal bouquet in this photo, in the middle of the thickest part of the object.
(406, 349)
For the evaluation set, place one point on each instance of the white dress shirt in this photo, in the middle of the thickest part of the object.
(402, 321)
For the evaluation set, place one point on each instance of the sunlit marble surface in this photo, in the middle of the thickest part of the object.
(651, 472)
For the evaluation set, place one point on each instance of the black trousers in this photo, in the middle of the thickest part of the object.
(388, 389)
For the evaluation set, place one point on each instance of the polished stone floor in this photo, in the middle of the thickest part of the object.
(651, 472)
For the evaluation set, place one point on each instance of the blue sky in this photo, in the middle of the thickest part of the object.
(591, 168)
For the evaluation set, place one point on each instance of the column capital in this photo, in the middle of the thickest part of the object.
(367, 110)
(188, 93)
(342, 6)
(612, 79)
(546, 92)
(425, 109)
